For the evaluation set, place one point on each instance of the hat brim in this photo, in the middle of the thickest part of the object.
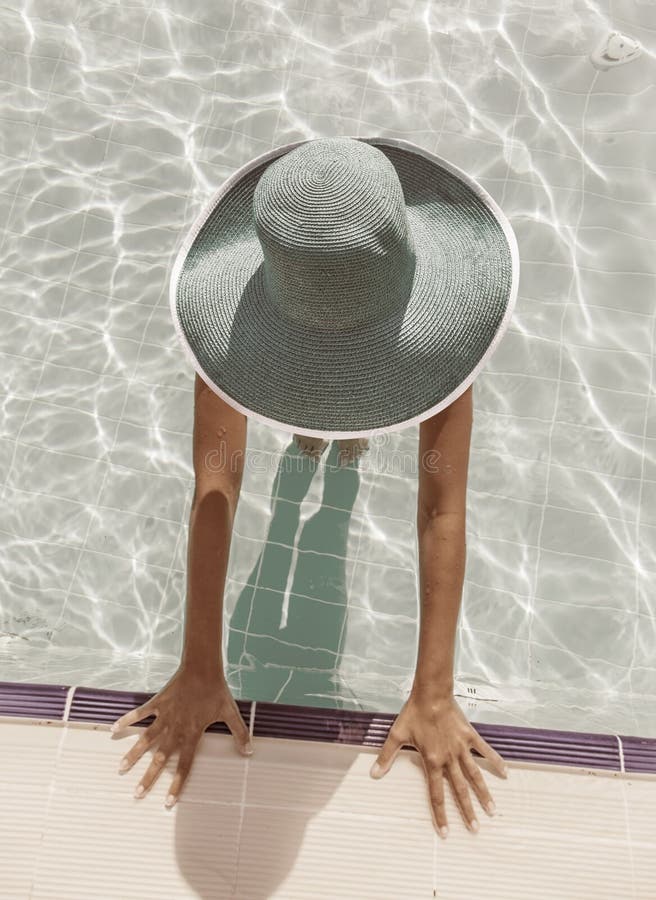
(371, 379)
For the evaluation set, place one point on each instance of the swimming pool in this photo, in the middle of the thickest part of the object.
(118, 124)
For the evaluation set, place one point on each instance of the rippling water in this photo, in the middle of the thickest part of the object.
(118, 123)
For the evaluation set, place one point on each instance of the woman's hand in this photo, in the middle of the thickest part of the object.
(439, 730)
(184, 708)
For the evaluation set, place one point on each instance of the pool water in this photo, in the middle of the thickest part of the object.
(118, 123)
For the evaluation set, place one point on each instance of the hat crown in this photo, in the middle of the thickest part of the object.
(331, 219)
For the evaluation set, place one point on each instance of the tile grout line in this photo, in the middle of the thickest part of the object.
(621, 754)
(627, 820)
(242, 804)
(53, 784)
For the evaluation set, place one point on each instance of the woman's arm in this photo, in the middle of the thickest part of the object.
(430, 719)
(219, 444)
(197, 694)
(444, 443)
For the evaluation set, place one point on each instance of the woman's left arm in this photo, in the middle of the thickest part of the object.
(431, 719)
(441, 523)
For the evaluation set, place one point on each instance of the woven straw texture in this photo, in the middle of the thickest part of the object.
(344, 286)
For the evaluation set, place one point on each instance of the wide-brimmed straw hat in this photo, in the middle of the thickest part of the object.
(342, 287)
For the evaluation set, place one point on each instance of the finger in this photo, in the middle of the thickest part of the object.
(185, 761)
(460, 790)
(135, 715)
(489, 753)
(387, 754)
(239, 729)
(137, 751)
(435, 781)
(154, 770)
(474, 775)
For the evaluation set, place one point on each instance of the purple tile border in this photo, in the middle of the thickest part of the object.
(40, 701)
(366, 729)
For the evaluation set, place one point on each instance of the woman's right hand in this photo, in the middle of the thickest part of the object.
(184, 708)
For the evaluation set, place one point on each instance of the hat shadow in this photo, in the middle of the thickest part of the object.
(285, 634)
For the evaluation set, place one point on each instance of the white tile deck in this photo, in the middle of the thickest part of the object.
(303, 820)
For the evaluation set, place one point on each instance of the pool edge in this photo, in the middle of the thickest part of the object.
(75, 703)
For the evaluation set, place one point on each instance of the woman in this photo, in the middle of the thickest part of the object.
(338, 288)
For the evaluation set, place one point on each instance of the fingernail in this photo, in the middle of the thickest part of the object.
(506, 773)
(248, 748)
(114, 727)
(170, 800)
(444, 831)
(139, 791)
(125, 765)
(491, 808)
(474, 825)
(376, 771)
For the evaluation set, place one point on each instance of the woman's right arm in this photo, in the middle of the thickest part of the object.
(219, 446)
(197, 694)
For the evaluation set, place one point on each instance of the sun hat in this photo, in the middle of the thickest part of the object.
(342, 287)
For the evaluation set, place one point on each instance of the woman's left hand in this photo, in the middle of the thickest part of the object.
(439, 730)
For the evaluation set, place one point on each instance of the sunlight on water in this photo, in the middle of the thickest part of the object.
(119, 122)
